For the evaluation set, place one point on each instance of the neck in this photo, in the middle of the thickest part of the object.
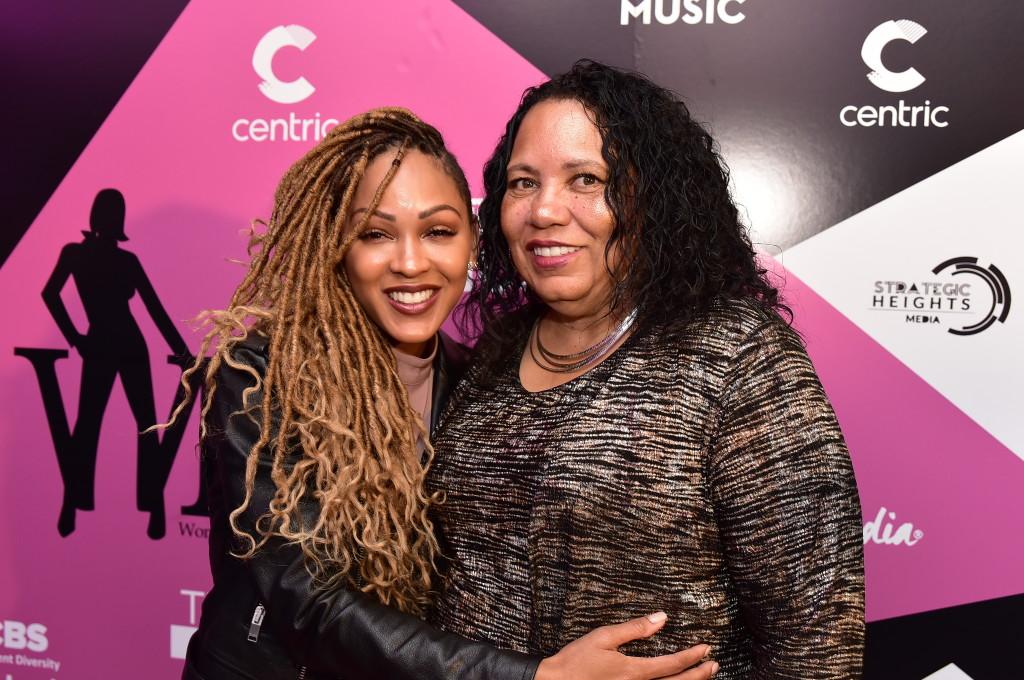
(415, 349)
(566, 334)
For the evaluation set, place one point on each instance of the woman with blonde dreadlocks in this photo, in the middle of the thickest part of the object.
(327, 369)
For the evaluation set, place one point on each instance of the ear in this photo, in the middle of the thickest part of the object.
(474, 229)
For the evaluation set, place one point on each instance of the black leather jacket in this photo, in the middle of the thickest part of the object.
(264, 619)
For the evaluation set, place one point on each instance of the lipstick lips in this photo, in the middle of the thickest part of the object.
(551, 254)
(412, 299)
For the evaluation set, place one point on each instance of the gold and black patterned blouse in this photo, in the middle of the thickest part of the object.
(704, 476)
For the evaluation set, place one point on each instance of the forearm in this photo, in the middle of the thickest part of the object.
(60, 315)
(336, 631)
(812, 629)
(346, 632)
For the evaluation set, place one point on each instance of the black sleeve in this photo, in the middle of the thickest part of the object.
(334, 631)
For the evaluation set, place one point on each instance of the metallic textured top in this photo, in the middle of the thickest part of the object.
(706, 477)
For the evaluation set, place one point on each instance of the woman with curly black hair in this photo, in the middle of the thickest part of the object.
(641, 427)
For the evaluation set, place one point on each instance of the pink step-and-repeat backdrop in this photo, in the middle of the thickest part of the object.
(877, 151)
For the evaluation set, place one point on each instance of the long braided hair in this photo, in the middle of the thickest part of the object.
(331, 385)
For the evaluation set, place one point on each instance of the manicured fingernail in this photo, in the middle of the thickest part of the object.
(707, 652)
(657, 617)
(714, 668)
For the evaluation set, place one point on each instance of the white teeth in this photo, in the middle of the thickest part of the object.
(555, 251)
(412, 298)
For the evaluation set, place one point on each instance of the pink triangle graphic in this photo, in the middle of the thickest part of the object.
(922, 459)
(190, 188)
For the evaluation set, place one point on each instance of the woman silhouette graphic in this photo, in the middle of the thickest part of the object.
(107, 277)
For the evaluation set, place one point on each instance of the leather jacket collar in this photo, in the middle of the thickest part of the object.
(449, 365)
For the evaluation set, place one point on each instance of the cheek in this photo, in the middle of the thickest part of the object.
(363, 272)
(598, 222)
(512, 220)
(597, 218)
(453, 262)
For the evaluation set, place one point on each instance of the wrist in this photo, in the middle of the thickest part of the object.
(549, 669)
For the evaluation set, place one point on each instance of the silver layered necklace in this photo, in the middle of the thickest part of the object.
(569, 363)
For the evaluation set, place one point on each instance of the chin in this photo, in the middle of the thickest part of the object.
(404, 335)
(555, 296)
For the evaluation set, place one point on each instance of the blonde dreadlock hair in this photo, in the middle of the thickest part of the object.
(331, 379)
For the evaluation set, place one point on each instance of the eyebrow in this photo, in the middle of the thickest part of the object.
(568, 165)
(581, 163)
(377, 213)
(436, 209)
(423, 214)
(521, 167)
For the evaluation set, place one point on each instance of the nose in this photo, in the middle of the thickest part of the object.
(548, 208)
(410, 257)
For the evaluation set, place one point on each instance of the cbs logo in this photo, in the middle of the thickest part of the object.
(18, 635)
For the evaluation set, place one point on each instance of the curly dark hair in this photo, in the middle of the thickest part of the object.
(668, 191)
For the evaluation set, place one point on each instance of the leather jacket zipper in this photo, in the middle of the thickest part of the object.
(254, 631)
(257, 622)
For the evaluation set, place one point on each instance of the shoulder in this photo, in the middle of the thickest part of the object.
(237, 388)
(742, 321)
(708, 348)
(734, 326)
(126, 256)
(254, 350)
(719, 330)
(765, 354)
(70, 252)
(241, 367)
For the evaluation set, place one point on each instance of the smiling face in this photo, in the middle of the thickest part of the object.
(554, 214)
(408, 266)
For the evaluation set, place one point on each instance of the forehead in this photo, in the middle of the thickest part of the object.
(420, 181)
(557, 129)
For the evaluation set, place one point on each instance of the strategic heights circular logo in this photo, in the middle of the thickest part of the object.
(962, 296)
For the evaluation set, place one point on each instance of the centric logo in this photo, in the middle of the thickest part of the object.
(901, 113)
(993, 278)
(293, 127)
(871, 53)
(290, 92)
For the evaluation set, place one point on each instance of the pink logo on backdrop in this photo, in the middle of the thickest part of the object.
(884, 529)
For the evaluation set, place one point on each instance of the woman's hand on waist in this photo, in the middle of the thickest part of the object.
(595, 656)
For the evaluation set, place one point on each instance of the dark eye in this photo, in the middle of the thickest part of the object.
(588, 180)
(373, 235)
(440, 232)
(521, 183)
